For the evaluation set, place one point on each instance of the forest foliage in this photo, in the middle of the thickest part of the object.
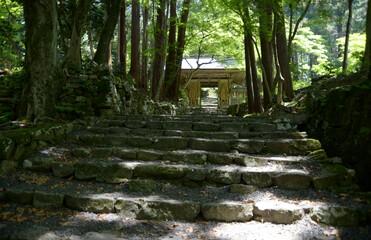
(315, 32)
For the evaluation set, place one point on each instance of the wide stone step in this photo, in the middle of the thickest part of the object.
(197, 133)
(248, 146)
(170, 203)
(184, 125)
(116, 170)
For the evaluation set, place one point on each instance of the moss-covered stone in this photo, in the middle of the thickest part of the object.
(6, 148)
(142, 185)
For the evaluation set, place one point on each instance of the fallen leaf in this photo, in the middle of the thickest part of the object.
(190, 229)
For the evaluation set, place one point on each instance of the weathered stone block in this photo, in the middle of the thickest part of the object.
(129, 154)
(149, 155)
(159, 171)
(41, 164)
(19, 196)
(184, 156)
(259, 179)
(170, 143)
(116, 173)
(294, 180)
(142, 185)
(87, 170)
(63, 169)
(222, 159)
(227, 212)
(242, 189)
(177, 125)
(169, 210)
(202, 126)
(96, 203)
(210, 145)
(47, 200)
(101, 152)
(195, 174)
(7, 166)
(248, 146)
(224, 176)
(277, 212)
(80, 152)
(127, 208)
(335, 216)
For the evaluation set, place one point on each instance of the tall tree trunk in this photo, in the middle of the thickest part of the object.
(346, 46)
(144, 74)
(181, 43)
(91, 43)
(122, 38)
(248, 78)
(39, 95)
(279, 78)
(170, 74)
(266, 30)
(254, 73)
(367, 59)
(135, 43)
(282, 50)
(159, 47)
(102, 54)
(73, 57)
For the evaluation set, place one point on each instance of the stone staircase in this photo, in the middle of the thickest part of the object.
(192, 167)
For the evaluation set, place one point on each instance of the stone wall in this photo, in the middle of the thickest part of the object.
(339, 115)
(98, 92)
(18, 144)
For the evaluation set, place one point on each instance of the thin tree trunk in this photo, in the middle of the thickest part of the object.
(254, 73)
(91, 43)
(266, 49)
(144, 74)
(135, 43)
(73, 56)
(367, 59)
(346, 46)
(159, 47)
(283, 52)
(160, 87)
(248, 79)
(122, 38)
(40, 91)
(102, 54)
(292, 34)
(181, 43)
(170, 74)
(279, 78)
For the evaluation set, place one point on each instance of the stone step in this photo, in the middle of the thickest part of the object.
(189, 125)
(174, 203)
(249, 146)
(72, 153)
(115, 170)
(196, 133)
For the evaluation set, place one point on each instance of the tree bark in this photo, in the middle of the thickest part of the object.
(282, 51)
(367, 59)
(159, 46)
(40, 91)
(248, 79)
(73, 56)
(144, 74)
(181, 43)
(346, 46)
(122, 38)
(266, 30)
(170, 73)
(102, 54)
(135, 43)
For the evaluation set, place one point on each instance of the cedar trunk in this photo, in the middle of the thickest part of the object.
(102, 54)
(282, 51)
(144, 74)
(181, 43)
(39, 95)
(73, 56)
(159, 47)
(248, 79)
(367, 59)
(346, 46)
(171, 67)
(266, 43)
(122, 38)
(135, 43)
